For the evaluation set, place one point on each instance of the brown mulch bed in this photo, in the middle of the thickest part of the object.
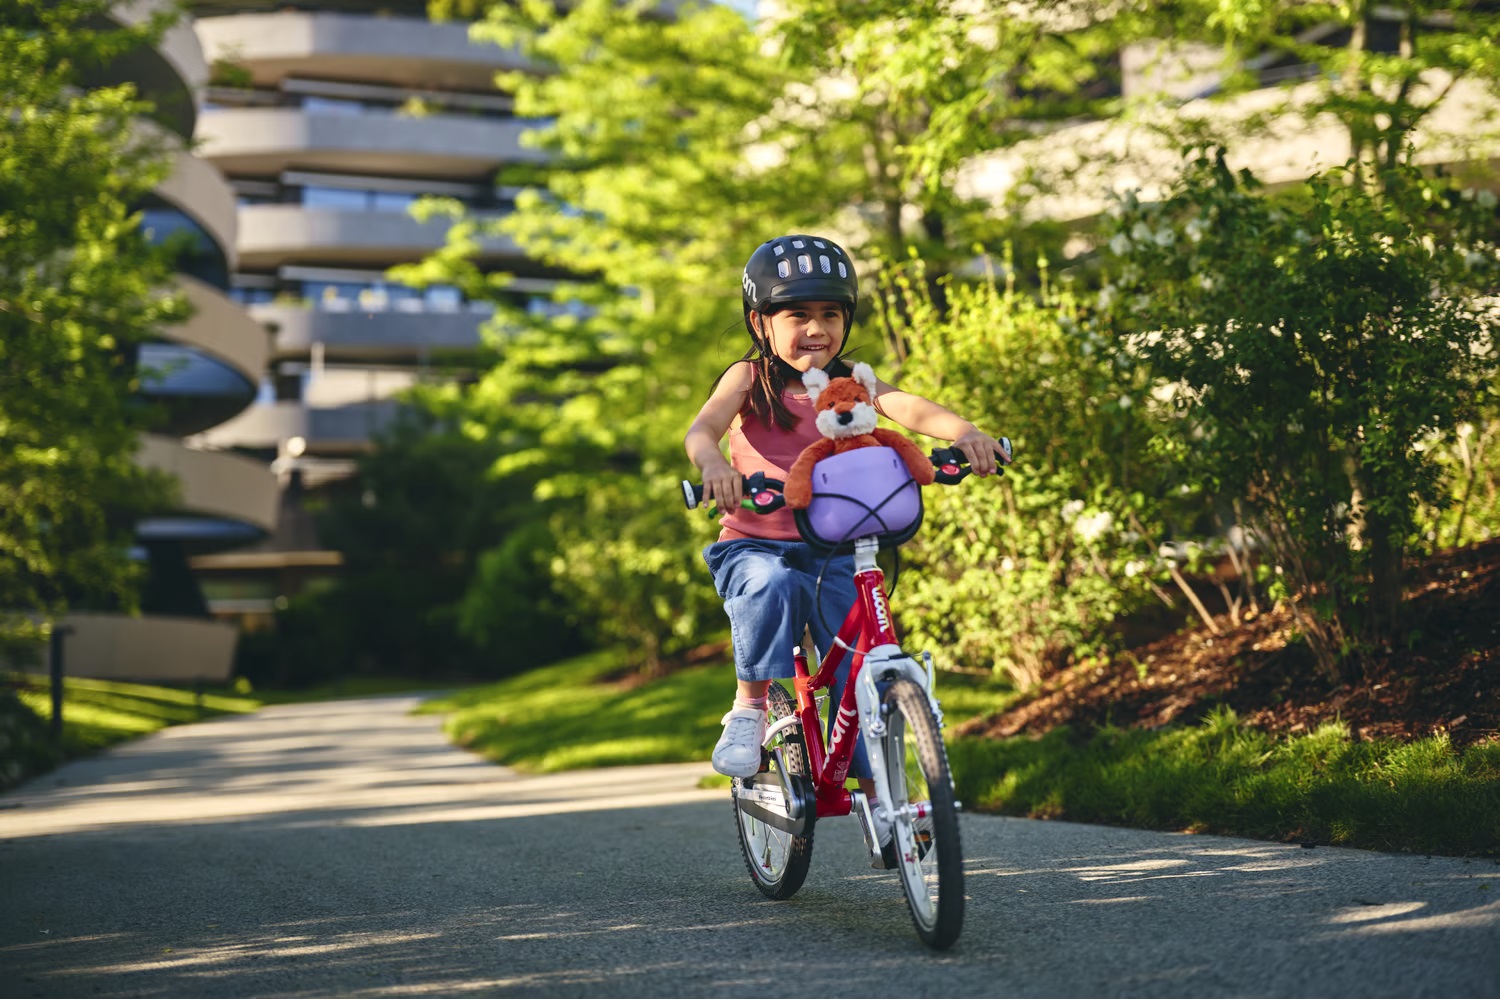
(1447, 680)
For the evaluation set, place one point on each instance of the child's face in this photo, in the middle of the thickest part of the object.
(806, 335)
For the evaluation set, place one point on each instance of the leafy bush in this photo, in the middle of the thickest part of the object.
(1026, 574)
(1311, 343)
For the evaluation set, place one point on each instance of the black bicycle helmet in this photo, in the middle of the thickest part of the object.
(799, 268)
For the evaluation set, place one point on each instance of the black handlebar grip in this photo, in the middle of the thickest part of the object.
(953, 466)
(762, 494)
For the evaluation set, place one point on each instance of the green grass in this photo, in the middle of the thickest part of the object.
(97, 713)
(567, 716)
(1222, 777)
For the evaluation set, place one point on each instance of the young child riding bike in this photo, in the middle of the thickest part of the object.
(800, 294)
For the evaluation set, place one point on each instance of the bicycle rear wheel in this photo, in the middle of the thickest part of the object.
(778, 861)
(924, 813)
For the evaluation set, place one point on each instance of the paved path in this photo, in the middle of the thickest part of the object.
(345, 850)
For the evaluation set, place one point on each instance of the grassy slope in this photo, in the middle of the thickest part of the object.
(570, 715)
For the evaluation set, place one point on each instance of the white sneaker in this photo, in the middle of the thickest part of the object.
(738, 751)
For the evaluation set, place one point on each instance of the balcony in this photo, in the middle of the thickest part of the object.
(404, 51)
(210, 367)
(197, 191)
(262, 142)
(272, 235)
(388, 336)
(327, 429)
(171, 75)
(225, 499)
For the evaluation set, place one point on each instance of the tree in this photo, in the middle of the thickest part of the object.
(80, 287)
(1380, 69)
(678, 143)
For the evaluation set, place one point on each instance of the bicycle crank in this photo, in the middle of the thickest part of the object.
(786, 802)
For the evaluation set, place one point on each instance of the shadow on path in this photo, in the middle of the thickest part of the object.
(346, 850)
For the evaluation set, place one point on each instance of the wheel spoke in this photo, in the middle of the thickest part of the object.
(925, 822)
(777, 860)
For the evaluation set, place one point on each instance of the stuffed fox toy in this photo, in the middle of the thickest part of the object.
(845, 409)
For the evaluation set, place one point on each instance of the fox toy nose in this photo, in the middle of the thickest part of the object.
(846, 417)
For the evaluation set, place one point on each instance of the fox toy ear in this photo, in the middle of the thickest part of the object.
(865, 376)
(815, 382)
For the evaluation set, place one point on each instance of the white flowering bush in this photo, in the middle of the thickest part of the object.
(1310, 343)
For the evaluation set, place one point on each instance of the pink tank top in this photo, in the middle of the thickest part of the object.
(754, 447)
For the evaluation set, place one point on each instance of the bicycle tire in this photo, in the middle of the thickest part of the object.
(777, 861)
(925, 815)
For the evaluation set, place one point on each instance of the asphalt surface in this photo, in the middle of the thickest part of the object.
(346, 850)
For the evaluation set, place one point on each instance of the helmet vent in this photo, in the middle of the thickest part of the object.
(784, 268)
(819, 244)
(843, 271)
(798, 244)
(823, 263)
(804, 263)
(778, 249)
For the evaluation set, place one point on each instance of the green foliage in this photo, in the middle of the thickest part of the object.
(1311, 345)
(1225, 778)
(1380, 71)
(446, 549)
(1027, 574)
(676, 145)
(80, 288)
(26, 744)
(1469, 463)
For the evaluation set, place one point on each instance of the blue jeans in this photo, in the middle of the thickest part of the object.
(767, 587)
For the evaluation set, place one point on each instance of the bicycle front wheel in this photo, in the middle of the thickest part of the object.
(778, 861)
(924, 815)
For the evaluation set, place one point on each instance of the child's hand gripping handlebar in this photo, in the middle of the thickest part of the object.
(762, 495)
(953, 466)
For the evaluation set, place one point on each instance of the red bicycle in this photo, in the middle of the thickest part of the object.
(864, 501)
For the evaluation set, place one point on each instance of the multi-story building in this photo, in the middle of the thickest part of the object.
(1183, 80)
(330, 120)
(202, 372)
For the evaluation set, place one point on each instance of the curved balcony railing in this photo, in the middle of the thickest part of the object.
(265, 141)
(209, 368)
(395, 50)
(271, 235)
(199, 191)
(172, 74)
(386, 335)
(225, 499)
(326, 430)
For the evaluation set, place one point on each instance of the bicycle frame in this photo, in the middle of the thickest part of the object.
(868, 635)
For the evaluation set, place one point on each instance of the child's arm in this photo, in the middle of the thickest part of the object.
(922, 415)
(720, 480)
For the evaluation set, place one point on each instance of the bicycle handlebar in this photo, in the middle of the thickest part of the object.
(763, 494)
